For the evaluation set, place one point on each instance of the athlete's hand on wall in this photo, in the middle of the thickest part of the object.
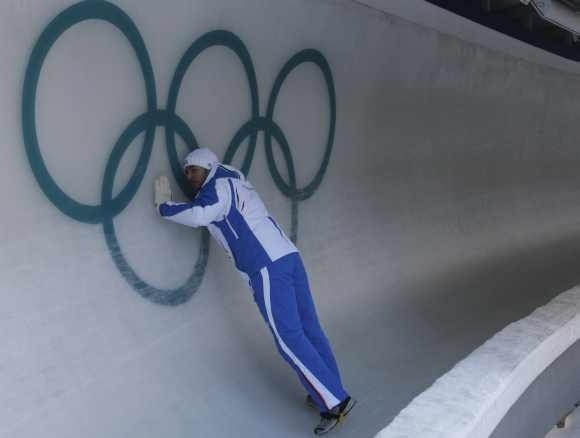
(162, 191)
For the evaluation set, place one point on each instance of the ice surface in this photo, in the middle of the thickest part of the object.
(470, 400)
(448, 210)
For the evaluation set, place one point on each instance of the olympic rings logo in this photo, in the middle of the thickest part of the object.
(111, 206)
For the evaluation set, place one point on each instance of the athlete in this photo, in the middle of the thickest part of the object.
(229, 206)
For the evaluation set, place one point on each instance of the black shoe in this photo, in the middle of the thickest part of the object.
(330, 419)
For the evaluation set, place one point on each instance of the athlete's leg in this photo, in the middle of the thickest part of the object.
(309, 318)
(275, 296)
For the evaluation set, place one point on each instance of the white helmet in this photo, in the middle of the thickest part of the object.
(202, 157)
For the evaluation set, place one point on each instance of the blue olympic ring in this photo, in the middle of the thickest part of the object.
(111, 205)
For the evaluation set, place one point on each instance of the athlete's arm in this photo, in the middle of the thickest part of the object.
(209, 206)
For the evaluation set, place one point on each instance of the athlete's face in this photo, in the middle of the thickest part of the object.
(196, 176)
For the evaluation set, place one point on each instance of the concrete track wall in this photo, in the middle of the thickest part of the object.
(447, 209)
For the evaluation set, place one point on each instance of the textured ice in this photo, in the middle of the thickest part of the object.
(471, 399)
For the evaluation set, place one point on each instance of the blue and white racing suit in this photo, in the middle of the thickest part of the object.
(237, 218)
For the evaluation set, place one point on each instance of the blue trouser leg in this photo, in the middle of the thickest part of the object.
(309, 319)
(283, 297)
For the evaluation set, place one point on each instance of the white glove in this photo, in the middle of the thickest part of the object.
(162, 191)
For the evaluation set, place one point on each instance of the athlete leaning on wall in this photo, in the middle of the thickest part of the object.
(228, 205)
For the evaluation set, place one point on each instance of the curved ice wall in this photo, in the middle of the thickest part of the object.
(430, 183)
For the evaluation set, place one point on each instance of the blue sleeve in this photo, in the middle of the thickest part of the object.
(210, 205)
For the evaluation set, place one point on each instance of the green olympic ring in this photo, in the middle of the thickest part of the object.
(111, 206)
